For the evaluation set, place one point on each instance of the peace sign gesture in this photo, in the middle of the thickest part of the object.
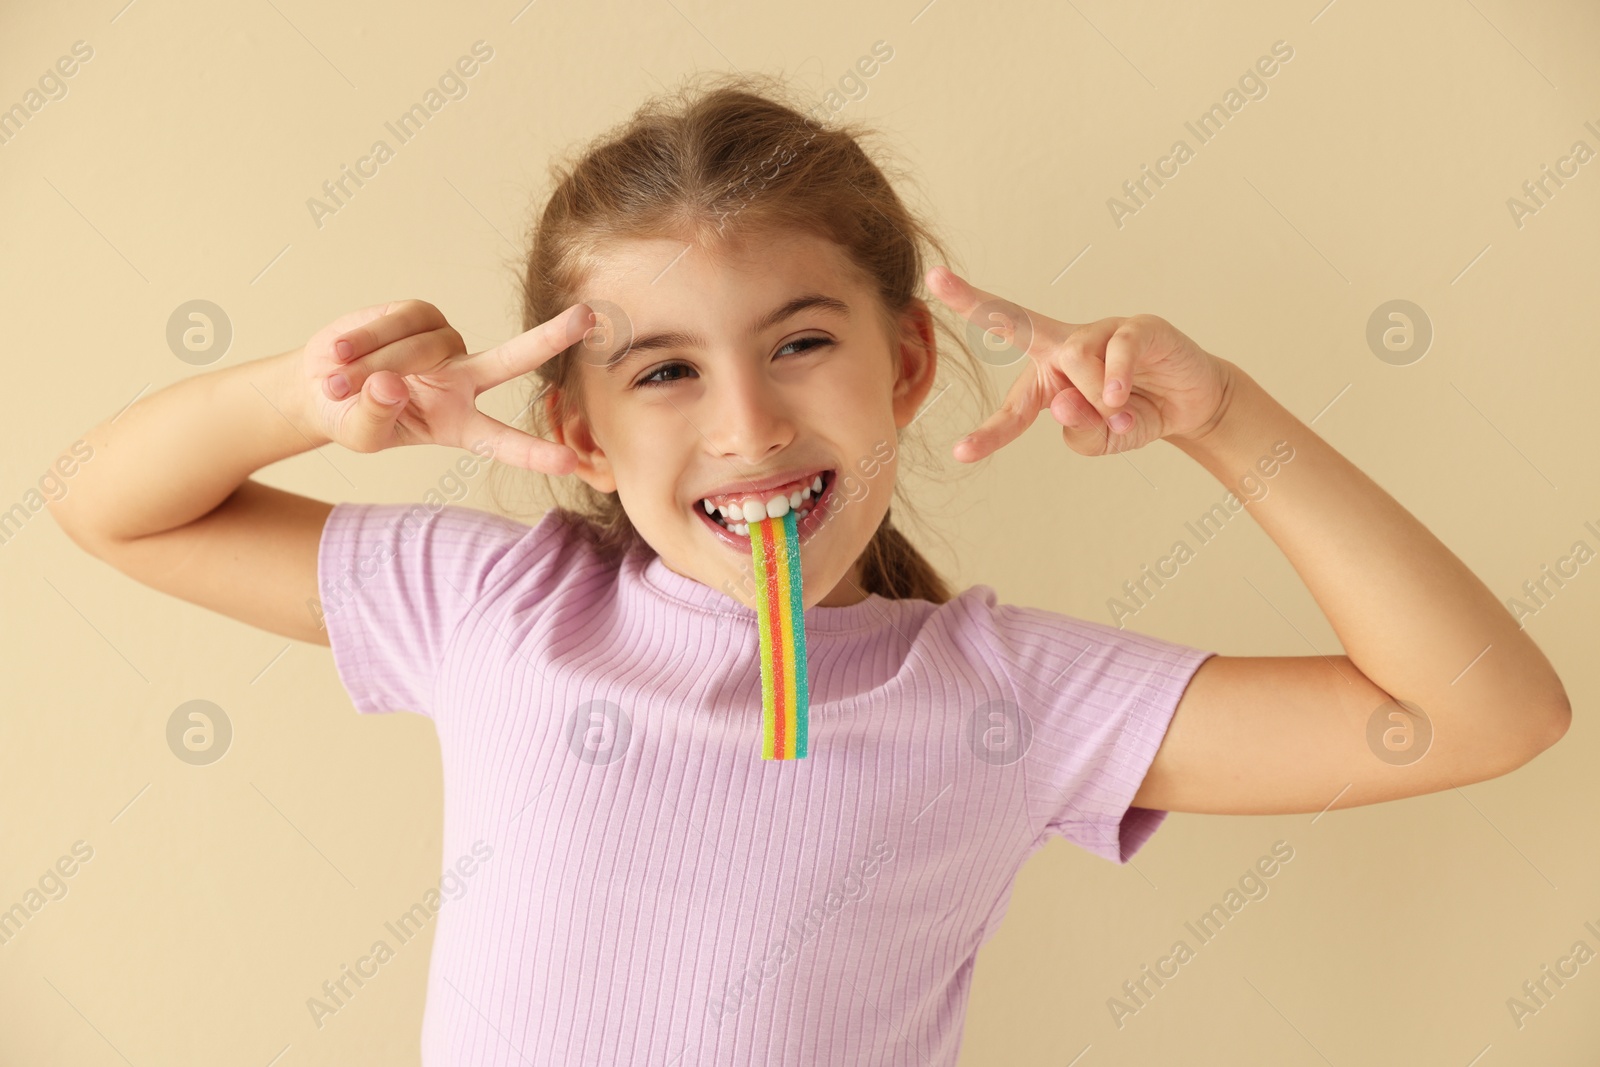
(1114, 385)
(399, 374)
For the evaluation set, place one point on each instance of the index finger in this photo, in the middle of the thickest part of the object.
(529, 349)
(995, 315)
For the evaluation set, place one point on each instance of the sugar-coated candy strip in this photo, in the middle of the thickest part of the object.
(780, 611)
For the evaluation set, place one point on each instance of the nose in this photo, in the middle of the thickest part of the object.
(745, 419)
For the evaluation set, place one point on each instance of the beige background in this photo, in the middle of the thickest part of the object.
(1377, 167)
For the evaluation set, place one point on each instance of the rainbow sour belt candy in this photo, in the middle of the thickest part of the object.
(775, 552)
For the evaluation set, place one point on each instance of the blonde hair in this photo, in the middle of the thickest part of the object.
(691, 162)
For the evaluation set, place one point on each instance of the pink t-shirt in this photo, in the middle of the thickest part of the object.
(627, 881)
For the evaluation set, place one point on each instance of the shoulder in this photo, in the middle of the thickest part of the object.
(400, 582)
(468, 548)
(1036, 646)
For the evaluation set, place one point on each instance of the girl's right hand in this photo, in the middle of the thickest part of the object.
(399, 374)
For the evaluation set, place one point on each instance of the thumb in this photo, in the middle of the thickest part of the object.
(1082, 427)
(369, 426)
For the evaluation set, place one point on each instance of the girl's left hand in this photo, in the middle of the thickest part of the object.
(1114, 385)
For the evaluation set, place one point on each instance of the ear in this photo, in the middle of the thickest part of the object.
(574, 432)
(917, 360)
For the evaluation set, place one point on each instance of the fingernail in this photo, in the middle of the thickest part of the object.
(343, 349)
(1121, 421)
(338, 386)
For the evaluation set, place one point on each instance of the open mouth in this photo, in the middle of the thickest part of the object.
(730, 515)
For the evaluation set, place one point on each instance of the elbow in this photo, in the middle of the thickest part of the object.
(58, 512)
(1537, 726)
(1554, 717)
(77, 532)
(1560, 716)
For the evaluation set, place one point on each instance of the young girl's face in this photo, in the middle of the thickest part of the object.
(752, 373)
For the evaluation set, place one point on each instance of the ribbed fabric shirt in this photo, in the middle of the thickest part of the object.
(626, 881)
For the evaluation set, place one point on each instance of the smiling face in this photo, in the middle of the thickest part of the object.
(759, 378)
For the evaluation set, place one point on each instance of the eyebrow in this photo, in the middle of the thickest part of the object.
(680, 339)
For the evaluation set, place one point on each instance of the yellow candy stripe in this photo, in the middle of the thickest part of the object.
(775, 556)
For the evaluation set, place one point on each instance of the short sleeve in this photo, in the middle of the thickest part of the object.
(395, 581)
(1096, 703)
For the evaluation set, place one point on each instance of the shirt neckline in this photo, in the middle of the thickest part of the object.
(872, 613)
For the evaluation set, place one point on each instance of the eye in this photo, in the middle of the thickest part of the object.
(653, 376)
(809, 342)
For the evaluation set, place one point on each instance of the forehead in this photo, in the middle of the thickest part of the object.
(660, 278)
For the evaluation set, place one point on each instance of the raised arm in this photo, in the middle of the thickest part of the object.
(167, 497)
(1272, 734)
(1259, 735)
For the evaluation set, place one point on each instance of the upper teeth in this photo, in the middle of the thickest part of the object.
(739, 514)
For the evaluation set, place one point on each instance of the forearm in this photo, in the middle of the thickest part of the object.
(1410, 615)
(173, 456)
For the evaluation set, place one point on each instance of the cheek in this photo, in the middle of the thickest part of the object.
(859, 383)
(648, 450)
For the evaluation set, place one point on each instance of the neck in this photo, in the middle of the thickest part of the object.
(848, 591)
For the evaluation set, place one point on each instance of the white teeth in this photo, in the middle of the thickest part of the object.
(740, 528)
(738, 515)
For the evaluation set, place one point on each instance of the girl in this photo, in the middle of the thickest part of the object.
(722, 307)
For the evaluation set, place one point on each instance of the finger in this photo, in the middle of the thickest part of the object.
(1123, 350)
(369, 426)
(1082, 427)
(1016, 413)
(1072, 410)
(1081, 357)
(986, 311)
(410, 354)
(519, 449)
(394, 320)
(1089, 434)
(529, 349)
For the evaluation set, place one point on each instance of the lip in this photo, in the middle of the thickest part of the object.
(756, 486)
(807, 527)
